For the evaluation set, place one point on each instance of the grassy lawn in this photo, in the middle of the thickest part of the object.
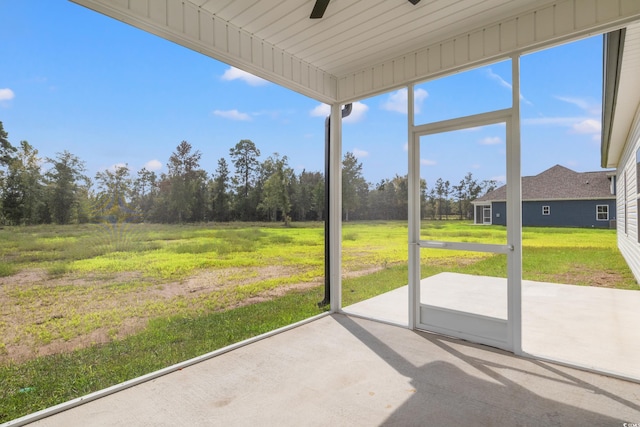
(86, 307)
(49, 380)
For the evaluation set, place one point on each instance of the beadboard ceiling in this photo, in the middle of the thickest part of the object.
(363, 47)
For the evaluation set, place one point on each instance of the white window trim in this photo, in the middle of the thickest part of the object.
(546, 208)
(598, 213)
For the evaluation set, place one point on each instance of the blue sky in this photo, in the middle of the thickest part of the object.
(72, 79)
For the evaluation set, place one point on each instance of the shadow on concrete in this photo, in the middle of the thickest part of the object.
(465, 385)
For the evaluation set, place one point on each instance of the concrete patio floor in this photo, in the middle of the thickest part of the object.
(340, 370)
(595, 328)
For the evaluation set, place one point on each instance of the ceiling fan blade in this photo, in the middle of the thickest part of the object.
(319, 8)
(414, 2)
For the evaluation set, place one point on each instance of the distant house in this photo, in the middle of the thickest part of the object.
(557, 197)
(621, 134)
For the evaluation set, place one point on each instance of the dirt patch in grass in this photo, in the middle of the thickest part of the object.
(40, 315)
(587, 277)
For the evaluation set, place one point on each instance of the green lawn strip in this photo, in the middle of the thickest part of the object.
(587, 266)
(569, 237)
(552, 264)
(50, 380)
(361, 288)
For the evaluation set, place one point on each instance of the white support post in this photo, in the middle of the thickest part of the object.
(514, 215)
(413, 143)
(335, 208)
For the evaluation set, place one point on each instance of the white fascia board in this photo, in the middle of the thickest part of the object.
(627, 98)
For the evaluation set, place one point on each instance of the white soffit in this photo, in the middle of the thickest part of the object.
(365, 47)
(628, 96)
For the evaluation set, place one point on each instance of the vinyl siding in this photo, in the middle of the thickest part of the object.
(628, 242)
(563, 213)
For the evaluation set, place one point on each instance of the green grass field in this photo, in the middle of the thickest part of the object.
(85, 307)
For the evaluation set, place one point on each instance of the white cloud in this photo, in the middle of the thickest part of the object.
(322, 110)
(358, 111)
(397, 101)
(153, 165)
(588, 126)
(576, 125)
(6, 94)
(583, 104)
(233, 73)
(427, 162)
(358, 153)
(491, 140)
(502, 82)
(560, 121)
(232, 115)
(115, 167)
(580, 103)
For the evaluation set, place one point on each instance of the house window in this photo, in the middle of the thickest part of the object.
(546, 210)
(602, 212)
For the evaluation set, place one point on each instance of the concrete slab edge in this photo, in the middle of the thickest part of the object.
(27, 419)
(350, 313)
(580, 366)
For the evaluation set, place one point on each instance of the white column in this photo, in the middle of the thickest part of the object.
(335, 208)
(514, 215)
(414, 213)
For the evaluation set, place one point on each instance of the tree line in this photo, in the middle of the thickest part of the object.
(35, 190)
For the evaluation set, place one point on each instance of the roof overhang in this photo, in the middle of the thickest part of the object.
(362, 48)
(594, 199)
(621, 91)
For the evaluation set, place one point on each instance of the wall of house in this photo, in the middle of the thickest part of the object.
(499, 213)
(564, 213)
(567, 213)
(628, 198)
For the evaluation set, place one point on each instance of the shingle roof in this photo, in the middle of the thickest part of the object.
(559, 183)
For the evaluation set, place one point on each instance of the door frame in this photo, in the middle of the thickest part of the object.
(460, 324)
(486, 220)
(510, 337)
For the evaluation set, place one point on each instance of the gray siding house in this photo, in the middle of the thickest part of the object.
(557, 197)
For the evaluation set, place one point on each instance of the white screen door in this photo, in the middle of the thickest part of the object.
(486, 215)
(460, 284)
